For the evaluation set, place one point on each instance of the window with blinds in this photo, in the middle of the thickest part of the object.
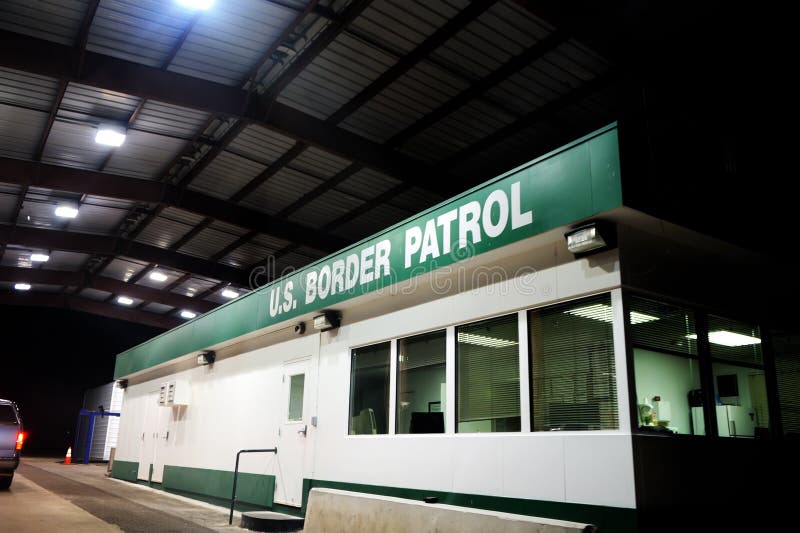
(669, 394)
(786, 346)
(421, 382)
(369, 390)
(487, 376)
(734, 341)
(572, 366)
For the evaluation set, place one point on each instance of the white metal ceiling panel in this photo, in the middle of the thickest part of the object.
(260, 144)
(320, 163)
(179, 215)
(280, 190)
(194, 286)
(373, 221)
(367, 183)
(228, 40)
(157, 308)
(207, 243)
(30, 91)
(163, 232)
(93, 218)
(167, 119)
(247, 254)
(20, 131)
(67, 261)
(325, 209)
(144, 155)
(94, 294)
(8, 201)
(57, 21)
(123, 269)
(142, 31)
(72, 145)
(90, 102)
(226, 175)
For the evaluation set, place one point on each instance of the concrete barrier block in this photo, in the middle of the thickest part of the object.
(331, 511)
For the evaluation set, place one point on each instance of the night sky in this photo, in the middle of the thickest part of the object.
(50, 358)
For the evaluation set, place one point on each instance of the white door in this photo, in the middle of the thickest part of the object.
(161, 440)
(147, 443)
(294, 434)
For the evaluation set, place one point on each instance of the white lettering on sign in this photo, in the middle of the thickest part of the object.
(369, 264)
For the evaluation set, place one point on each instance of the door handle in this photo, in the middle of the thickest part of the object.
(304, 431)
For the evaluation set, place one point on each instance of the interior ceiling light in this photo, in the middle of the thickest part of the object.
(124, 300)
(604, 313)
(228, 293)
(158, 276)
(196, 4)
(482, 340)
(188, 314)
(40, 258)
(110, 135)
(728, 338)
(22, 286)
(66, 211)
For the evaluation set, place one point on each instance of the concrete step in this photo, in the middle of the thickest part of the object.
(270, 521)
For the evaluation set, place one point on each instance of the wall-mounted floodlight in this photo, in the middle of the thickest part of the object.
(66, 211)
(122, 383)
(591, 237)
(327, 320)
(110, 135)
(207, 358)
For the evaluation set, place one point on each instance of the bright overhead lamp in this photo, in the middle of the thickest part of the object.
(196, 4)
(124, 300)
(22, 286)
(604, 313)
(40, 258)
(66, 211)
(587, 238)
(327, 320)
(228, 293)
(158, 276)
(728, 338)
(187, 314)
(483, 340)
(110, 135)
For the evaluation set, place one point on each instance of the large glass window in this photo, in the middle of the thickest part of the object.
(487, 376)
(786, 345)
(421, 383)
(297, 385)
(369, 390)
(669, 397)
(572, 366)
(740, 387)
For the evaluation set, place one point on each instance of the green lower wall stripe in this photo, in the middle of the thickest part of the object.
(607, 519)
(257, 489)
(126, 470)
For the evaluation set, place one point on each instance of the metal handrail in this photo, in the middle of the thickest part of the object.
(236, 475)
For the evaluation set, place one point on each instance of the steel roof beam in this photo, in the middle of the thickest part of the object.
(102, 283)
(113, 186)
(38, 56)
(63, 301)
(109, 245)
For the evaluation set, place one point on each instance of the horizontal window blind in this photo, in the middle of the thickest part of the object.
(572, 370)
(732, 340)
(488, 370)
(787, 369)
(662, 327)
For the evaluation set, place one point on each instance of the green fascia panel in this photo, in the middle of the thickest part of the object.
(575, 182)
(616, 519)
(127, 470)
(256, 489)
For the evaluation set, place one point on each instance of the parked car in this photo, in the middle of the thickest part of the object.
(11, 438)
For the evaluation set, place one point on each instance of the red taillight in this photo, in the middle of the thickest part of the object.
(20, 440)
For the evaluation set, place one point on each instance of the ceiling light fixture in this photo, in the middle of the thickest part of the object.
(188, 314)
(40, 258)
(110, 135)
(158, 276)
(196, 4)
(728, 338)
(124, 300)
(483, 340)
(22, 286)
(604, 313)
(66, 211)
(227, 293)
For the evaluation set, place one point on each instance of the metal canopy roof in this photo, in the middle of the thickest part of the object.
(265, 131)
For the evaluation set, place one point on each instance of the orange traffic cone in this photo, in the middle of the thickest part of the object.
(68, 458)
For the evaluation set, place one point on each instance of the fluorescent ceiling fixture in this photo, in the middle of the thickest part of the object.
(110, 136)
(66, 211)
(227, 293)
(158, 276)
(482, 340)
(124, 300)
(728, 338)
(196, 4)
(188, 314)
(22, 286)
(604, 313)
(40, 258)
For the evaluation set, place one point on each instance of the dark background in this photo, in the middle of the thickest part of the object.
(50, 357)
